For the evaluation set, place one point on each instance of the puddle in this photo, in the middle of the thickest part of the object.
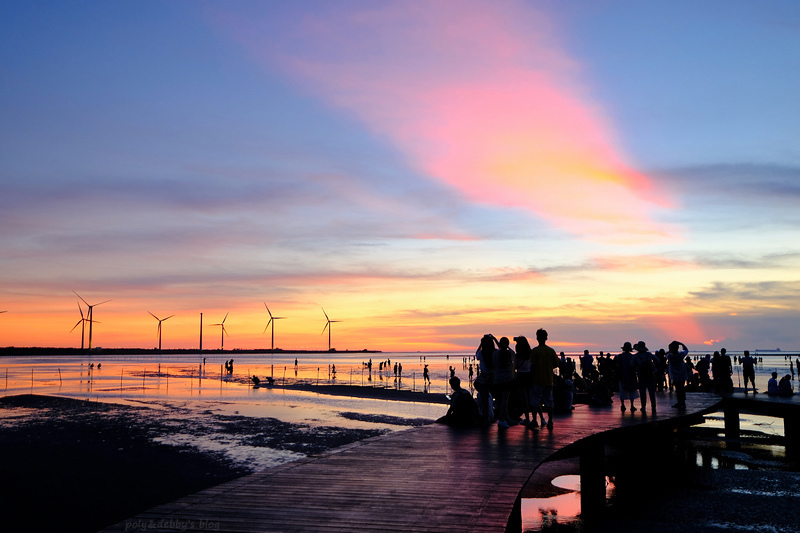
(562, 510)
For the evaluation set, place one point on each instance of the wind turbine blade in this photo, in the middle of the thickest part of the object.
(326, 314)
(267, 326)
(326, 327)
(225, 331)
(80, 310)
(268, 311)
(75, 326)
(170, 316)
(103, 302)
(226, 317)
(154, 316)
(79, 296)
(278, 317)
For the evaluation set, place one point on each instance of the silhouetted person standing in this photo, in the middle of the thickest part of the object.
(677, 371)
(646, 366)
(748, 370)
(543, 361)
(628, 384)
(503, 379)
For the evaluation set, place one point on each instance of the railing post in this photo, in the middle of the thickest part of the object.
(732, 425)
(791, 430)
(593, 478)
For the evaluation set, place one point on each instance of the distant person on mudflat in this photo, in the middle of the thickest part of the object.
(772, 385)
(628, 384)
(748, 370)
(426, 378)
(645, 364)
(522, 364)
(463, 411)
(503, 379)
(543, 361)
(678, 373)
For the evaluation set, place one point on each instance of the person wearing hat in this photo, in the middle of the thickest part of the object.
(628, 386)
(645, 365)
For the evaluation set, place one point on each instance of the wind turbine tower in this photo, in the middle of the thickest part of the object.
(271, 321)
(160, 320)
(82, 322)
(223, 333)
(328, 327)
(89, 316)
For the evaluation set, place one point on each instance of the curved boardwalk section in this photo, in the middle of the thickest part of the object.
(431, 478)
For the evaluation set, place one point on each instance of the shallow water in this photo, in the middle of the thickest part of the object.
(184, 381)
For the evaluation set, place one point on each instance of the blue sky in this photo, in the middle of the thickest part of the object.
(425, 171)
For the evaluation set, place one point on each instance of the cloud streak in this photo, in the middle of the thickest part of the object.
(476, 103)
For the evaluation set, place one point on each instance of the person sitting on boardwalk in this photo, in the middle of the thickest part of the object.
(785, 386)
(678, 373)
(543, 361)
(748, 370)
(463, 411)
(772, 385)
(628, 385)
(646, 366)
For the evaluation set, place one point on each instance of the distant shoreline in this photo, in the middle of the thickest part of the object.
(14, 350)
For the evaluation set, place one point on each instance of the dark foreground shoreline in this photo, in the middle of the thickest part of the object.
(75, 465)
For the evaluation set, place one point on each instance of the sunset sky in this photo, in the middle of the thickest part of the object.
(425, 171)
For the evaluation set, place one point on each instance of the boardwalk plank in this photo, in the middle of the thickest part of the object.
(430, 478)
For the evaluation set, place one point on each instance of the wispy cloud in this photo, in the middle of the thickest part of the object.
(475, 101)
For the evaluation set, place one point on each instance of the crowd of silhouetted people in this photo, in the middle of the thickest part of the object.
(526, 385)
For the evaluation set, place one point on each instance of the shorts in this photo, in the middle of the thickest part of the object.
(542, 394)
(627, 394)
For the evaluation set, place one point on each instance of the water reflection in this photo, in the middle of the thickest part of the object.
(543, 514)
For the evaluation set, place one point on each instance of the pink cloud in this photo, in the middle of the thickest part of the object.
(480, 96)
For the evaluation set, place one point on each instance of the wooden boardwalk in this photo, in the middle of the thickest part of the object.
(431, 478)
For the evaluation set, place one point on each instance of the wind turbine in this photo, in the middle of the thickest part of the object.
(222, 342)
(82, 322)
(272, 320)
(89, 315)
(160, 320)
(328, 327)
